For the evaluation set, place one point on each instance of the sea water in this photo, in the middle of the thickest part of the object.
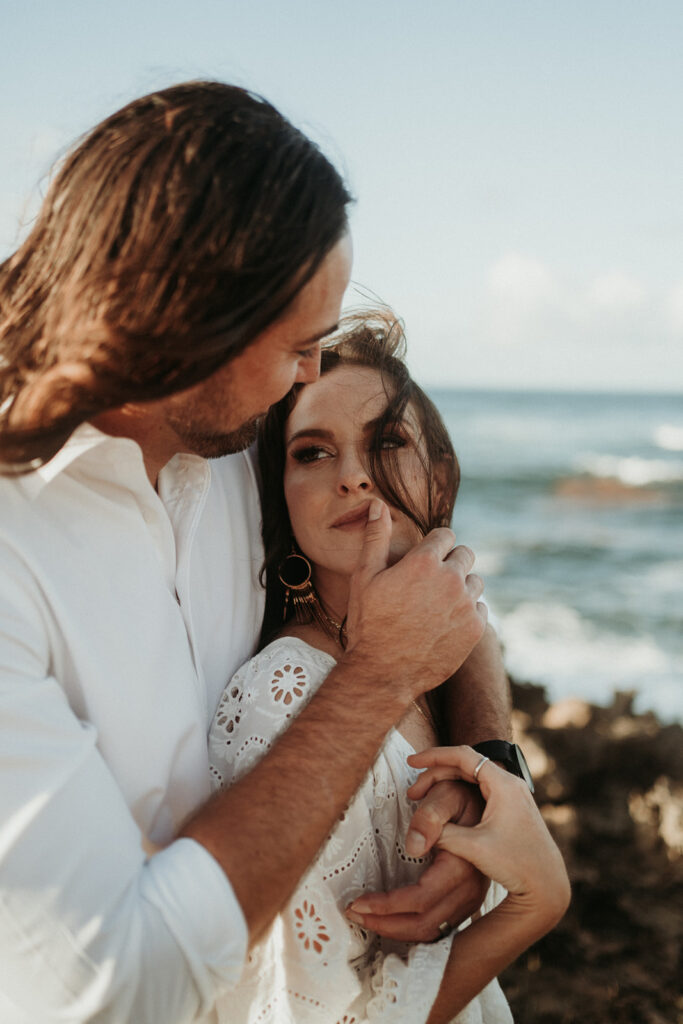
(573, 504)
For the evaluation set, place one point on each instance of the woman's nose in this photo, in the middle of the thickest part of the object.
(353, 476)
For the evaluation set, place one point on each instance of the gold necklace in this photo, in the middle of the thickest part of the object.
(335, 630)
(427, 717)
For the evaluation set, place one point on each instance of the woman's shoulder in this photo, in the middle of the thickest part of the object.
(259, 703)
(286, 658)
(298, 641)
(310, 635)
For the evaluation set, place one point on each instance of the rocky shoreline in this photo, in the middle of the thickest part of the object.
(610, 785)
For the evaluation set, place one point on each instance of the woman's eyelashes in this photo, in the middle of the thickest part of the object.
(311, 453)
(392, 440)
(316, 452)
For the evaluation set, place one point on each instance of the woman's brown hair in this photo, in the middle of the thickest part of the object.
(177, 230)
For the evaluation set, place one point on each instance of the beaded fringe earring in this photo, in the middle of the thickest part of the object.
(295, 573)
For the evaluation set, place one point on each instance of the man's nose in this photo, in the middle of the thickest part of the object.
(309, 367)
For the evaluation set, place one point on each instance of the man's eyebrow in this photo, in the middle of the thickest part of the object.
(309, 432)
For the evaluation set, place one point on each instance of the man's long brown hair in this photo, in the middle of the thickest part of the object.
(171, 236)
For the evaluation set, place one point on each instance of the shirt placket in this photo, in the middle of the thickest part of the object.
(183, 490)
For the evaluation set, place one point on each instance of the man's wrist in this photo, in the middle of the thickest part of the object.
(509, 756)
(381, 685)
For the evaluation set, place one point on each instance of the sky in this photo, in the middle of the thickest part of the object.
(517, 166)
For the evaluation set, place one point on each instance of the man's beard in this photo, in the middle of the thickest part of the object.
(213, 446)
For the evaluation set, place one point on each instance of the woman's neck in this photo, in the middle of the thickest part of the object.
(333, 593)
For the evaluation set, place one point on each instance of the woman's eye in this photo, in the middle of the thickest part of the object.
(392, 441)
(312, 453)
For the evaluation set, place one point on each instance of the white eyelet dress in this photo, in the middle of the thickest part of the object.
(315, 966)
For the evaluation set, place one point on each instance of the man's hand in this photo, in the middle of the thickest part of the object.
(412, 624)
(449, 890)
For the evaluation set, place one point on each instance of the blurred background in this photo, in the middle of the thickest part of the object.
(518, 174)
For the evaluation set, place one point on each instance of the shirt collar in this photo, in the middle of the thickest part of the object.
(84, 439)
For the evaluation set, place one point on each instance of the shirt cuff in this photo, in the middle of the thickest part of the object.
(194, 896)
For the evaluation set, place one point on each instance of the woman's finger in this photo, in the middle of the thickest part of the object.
(431, 777)
(449, 890)
(454, 763)
(445, 801)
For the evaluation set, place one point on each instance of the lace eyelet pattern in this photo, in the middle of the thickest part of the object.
(315, 966)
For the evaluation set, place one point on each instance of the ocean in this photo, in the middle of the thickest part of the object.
(573, 504)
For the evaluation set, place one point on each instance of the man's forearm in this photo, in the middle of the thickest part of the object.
(478, 695)
(266, 829)
(409, 627)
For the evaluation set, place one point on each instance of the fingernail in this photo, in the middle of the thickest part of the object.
(415, 843)
(356, 918)
(360, 907)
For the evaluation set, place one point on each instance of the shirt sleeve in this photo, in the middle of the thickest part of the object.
(315, 966)
(90, 929)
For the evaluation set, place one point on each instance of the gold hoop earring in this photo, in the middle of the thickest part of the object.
(295, 573)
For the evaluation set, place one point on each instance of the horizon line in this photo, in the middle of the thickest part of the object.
(555, 390)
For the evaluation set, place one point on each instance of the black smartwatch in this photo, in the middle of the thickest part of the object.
(509, 755)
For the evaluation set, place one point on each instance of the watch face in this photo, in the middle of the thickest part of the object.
(523, 767)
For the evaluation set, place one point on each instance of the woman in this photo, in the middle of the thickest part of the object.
(364, 431)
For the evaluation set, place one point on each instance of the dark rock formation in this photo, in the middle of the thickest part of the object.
(610, 786)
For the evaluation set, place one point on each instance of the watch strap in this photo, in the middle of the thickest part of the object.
(509, 755)
(499, 750)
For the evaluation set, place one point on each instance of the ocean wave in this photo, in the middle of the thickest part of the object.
(553, 645)
(631, 470)
(669, 437)
(489, 563)
(664, 577)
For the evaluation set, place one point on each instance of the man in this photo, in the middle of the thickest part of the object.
(189, 258)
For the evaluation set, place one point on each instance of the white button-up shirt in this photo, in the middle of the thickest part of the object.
(123, 613)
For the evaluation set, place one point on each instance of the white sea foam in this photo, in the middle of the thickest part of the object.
(551, 644)
(669, 437)
(488, 562)
(631, 469)
(665, 578)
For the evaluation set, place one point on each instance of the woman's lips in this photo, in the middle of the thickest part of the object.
(355, 518)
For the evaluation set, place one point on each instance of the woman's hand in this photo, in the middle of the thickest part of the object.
(511, 843)
(449, 890)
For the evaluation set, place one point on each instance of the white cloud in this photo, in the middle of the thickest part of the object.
(521, 296)
(527, 300)
(521, 282)
(617, 293)
(530, 323)
(674, 309)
